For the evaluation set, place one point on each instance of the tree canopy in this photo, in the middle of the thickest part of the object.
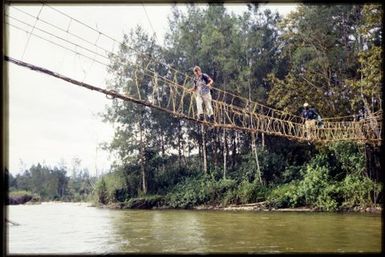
(326, 55)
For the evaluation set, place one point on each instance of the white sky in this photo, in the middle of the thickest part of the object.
(52, 121)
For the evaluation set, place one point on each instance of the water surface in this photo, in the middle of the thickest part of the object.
(76, 228)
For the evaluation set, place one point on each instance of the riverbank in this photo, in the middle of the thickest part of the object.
(143, 203)
(22, 197)
(261, 207)
(86, 204)
(155, 204)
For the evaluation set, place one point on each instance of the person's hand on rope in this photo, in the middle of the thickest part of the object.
(191, 90)
(210, 84)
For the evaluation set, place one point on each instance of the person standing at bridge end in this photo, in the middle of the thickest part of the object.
(202, 85)
(310, 115)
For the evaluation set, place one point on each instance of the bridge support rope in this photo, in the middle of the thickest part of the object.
(228, 115)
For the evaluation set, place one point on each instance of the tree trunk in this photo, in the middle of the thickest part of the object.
(204, 149)
(179, 146)
(215, 149)
(254, 149)
(163, 151)
(227, 146)
(200, 155)
(234, 149)
(253, 141)
(263, 140)
(141, 158)
(373, 162)
(224, 153)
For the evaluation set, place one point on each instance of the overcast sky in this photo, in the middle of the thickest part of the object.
(52, 121)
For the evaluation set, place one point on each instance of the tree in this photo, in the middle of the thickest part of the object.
(237, 52)
(321, 56)
(134, 122)
(368, 83)
(369, 80)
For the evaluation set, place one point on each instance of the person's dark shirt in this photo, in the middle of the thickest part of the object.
(206, 79)
(204, 76)
(309, 114)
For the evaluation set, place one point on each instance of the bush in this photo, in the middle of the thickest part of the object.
(317, 188)
(313, 190)
(358, 191)
(190, 192)
(327, 199)
(220, 189)
(291, 173)
(21, 197)
(101, 191)
(201, 189)
(165, 180)
(348, 157)
(285, 196)
(247, 170)
(147, 202)
(114, 187)
(271, 165)
(347, 188)
(314, 182)
(251, 192)
(230, 197)
(330, 180)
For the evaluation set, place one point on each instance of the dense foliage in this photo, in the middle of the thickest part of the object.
(327, 55)
(43, 183)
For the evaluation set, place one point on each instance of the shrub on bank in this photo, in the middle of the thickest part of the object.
(148, 202)
(332, 180)
(206, 190)
(190, 192)
(284, 196)
(359, 191)
(21, 197)
(251, 192)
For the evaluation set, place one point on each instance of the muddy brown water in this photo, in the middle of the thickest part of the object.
(77, 228)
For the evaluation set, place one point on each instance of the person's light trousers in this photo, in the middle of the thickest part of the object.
(310, 126)
(205, 98)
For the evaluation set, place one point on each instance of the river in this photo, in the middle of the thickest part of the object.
(65, 228)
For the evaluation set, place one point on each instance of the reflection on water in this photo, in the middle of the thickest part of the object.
(59, 228)
(160, 231)
(75, 228)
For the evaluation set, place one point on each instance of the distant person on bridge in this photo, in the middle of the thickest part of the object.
(312, 118)
(202, 85)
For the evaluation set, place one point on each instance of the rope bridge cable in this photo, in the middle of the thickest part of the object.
(30, 33)
(57, 44)
(235, 115)
(55, 36)
(232, 117)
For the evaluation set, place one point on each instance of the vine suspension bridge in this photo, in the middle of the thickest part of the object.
(159, 86)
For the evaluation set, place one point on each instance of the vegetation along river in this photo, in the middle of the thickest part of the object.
(78, 228)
